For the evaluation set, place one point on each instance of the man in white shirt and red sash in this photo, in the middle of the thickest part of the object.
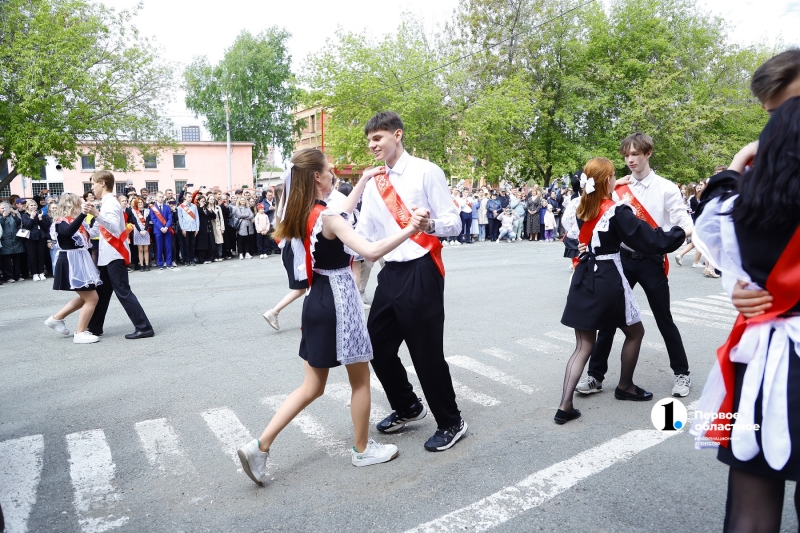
(113, 259)
(658, 202)
(409, 300)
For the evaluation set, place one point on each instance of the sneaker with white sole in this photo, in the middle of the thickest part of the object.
(589, 385)
(444, 439)
(374, 454)
(241, 257)
(682, 385)
(395, 420)
(248, 256)
(84, 337)
(58, 325)
(254, 462)
(272, 320)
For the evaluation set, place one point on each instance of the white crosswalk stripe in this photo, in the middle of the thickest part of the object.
(566, 336)
(20, 473)
(695, 321)
(162, 447)
(490, 372)
(720, 300)
(92, 471)
(541, 346)
(229, 430)
(716, 310)
(500, 354)
(685, 311)
(341, 392)
(312, 429)
(466, 393)
(570, 338)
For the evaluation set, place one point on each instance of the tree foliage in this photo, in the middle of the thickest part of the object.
(72, 72)
(256, 80)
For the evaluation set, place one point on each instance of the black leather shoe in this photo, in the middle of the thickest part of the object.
(140, 334)
(640, 396)
(562, 417)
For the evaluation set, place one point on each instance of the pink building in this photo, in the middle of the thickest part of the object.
(200, 163)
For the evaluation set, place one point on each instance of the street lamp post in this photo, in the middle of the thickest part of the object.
(228, 129)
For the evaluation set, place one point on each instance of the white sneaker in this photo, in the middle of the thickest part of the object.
(458, 243)
(589, 385)
(84, 337)
(241, 256)
(58, 325)
(374, 454)
(367, 306)
(682, 385)
(254, 462)
(272, 320)
(36, 277)
(248, 256)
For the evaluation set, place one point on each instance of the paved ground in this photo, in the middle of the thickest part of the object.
(139, 435)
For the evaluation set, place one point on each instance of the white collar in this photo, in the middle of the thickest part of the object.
(400, 164)
(646, 181)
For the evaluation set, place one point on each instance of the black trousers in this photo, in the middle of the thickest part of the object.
(649, 272)
(12, 265)
(494, 229)
(243, 244)
(115, 279)
(188, 247)
(262, 243)
(409, 306)
(37, 255)
(466, 224)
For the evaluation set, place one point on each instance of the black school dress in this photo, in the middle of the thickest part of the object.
(598, 293)
(318, 342)
(74, 269)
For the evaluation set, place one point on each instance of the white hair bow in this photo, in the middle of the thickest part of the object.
(287, 183)
(587, 184)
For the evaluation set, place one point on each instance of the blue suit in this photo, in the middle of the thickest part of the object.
(163, 239)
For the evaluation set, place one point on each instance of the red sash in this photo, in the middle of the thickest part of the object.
(587, 229)
(161, 218)
(189, 212)
(783, 284)
(316, 211)
(402, 216)
(117, 243)
(82, 230)
(625, 193)
(140, 217)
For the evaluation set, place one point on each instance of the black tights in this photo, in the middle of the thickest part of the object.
(584, 344)
(755, 503)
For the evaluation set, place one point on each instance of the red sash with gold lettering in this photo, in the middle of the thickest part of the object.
(587, 229)
(402, 216)
(625, 193)
(160, 217)
(783, 284)
(316, 211)
(118, 243)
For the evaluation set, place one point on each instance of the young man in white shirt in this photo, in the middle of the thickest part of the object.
(663, 202)
(113, 258)
(409, 300)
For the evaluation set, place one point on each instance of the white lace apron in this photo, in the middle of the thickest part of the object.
(82, 270)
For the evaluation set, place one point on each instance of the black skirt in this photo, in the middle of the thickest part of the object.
(287, 256)
(593, 308)
(61, 275)
(318, 340)
(571, 248)
(758, 465)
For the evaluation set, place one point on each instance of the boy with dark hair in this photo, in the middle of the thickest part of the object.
(777, 80)
(409, 300)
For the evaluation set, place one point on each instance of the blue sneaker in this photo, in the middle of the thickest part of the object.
(446, 438)
(395, 421)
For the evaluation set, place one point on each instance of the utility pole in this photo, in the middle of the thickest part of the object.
(228, 131)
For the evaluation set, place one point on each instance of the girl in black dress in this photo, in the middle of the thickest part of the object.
(749, 228)
(74, 269)
(599, 294)
(570, 243)
(334, 329)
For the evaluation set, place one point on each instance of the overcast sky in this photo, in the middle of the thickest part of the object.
(187, 28)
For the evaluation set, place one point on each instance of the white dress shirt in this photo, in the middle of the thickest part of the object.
(419, 183)
(663, 200)
(112, 219)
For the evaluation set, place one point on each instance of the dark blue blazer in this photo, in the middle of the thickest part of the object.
(166, 212)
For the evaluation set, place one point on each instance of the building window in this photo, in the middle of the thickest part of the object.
(190, 133)
(178, 160)
(150, 161)
(5, 192)
(119, 187)
(313, 122)
(38, 187)
(87, 162)
(56, 189)
(152, 186)
(3, 168)
(179, 185)
(87, 186)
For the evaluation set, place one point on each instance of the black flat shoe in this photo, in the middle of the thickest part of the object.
(140, 334)
(640, 396)
(562, 417)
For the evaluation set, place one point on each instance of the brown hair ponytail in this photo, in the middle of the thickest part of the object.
(306, 162)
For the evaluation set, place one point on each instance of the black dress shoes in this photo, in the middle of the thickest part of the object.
(640, 396)
(140, 334)
(562, 417)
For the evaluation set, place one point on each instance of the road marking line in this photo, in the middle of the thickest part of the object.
(490, 372)
(544, 485)
(20, 473)
(722, 301)
(570, 338)
(708, 308)
(500, 354)
(462, 391)
(162, 447)
(686, 320)
(312, 429)
(717, 298)
(92, 470)
(562, 336)
(230, 431)
(541, 346)
(341, 392)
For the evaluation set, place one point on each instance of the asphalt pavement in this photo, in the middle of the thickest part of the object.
(140, 435)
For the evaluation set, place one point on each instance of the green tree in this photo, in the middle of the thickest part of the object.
(355, 77)
(256, 80)
(72, 72)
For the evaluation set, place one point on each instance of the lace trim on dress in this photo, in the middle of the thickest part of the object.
(570, 218)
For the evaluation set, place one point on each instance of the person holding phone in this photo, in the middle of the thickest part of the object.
(38, 226)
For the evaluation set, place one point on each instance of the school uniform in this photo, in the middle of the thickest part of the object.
(189, 222)
(74, 269)
(163, 239)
